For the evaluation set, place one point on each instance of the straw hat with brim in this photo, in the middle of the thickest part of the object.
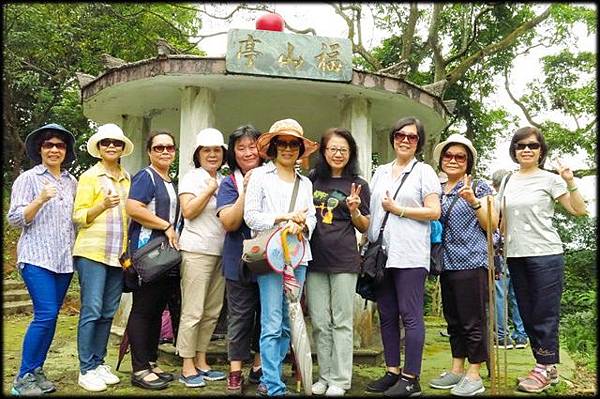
(285, 127)
(455, 139)
(108, 131)
(32, 143)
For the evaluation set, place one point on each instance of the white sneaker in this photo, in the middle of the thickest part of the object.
(91, 381)
(319, 387)
(104, 372)
(335, 391)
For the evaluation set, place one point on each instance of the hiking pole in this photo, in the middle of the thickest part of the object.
(492, 325)
(505, 321)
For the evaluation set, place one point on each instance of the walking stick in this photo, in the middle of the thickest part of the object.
(505, 321)
(492, 325)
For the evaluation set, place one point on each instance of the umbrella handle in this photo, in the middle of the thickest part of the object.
(284, 246)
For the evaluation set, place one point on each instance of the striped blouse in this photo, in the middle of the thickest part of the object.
(105, 238)
(46, 241)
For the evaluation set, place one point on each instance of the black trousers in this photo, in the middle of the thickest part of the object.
(464, 294)
(143, 326)
(243, 326)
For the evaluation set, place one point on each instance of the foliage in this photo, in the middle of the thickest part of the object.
(45, 44)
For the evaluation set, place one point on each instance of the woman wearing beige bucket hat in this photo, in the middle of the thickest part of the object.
(268, 197)
(464, 278)
(99, 212)
(201, 243)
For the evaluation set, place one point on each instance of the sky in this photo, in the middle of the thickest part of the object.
(326, 22)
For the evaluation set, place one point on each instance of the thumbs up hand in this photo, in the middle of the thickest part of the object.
(111, 199)
(48, 192)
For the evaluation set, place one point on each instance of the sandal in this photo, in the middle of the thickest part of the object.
(139, 381)
(535, 382)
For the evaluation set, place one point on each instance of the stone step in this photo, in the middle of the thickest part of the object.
(16, 295)
(17, 307)
(13, 285)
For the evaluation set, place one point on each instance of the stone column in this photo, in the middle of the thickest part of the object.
(136, 128)
(356, 117)
(197, 113)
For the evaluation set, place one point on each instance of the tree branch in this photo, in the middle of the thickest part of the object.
(432, 40)
(464, 50)
(409, 32)
(519, 103)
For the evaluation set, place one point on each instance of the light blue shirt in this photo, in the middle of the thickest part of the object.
(407, 240)
(47, 241)
(268, 196)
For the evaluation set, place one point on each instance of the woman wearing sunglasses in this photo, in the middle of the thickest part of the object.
(41, 204)
(533, 248)
(102, 237)
(464, 279)
(268, 196)
(342, 198)
(406, 237)
(153, 207)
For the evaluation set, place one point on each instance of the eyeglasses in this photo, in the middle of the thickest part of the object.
(162, 148)
(460, 158)
(342, 150)
(115, 143)
(292, 144)
(531, 146)
(401, 136)
(46, 145)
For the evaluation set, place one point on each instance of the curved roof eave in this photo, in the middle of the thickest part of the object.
(191, 64)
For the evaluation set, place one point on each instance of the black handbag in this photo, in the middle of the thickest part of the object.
(374, 258)
(155, 259)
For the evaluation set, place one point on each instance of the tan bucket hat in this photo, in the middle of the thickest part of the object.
(285, 127)
(455, 138)
(108, 131)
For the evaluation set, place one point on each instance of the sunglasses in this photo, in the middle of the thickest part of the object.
(531, 146)
(460, 158)
(162, 148)
(46, 145)
(401, 136)
(292, 144)
(115, 143)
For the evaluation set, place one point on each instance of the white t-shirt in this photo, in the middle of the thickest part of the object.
(530, 204)
(205, 233)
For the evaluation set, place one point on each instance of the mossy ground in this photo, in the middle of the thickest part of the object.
(61, 365)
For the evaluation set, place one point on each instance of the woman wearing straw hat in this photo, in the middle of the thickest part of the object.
(201, 243)
(268, 197)
(464, 279)
(41, 204)
(99, 212)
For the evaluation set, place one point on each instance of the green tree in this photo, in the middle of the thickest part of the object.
(46, 44)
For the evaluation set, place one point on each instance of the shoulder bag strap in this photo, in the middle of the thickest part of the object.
(387, 214)
(294, 193)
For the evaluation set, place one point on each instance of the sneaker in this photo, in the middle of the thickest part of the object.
(552, 375)
(506, 343)
(446, 380)
(405, 386)
(319, 387)
(45, 385)
(520, 343)
(104, 372)
(383, 383)
(335, 391)
(235, 381)
(535, 382)
(91, 381)
(254, 376)
(211, 375)
(192, 381)
(468, 387)
(26, 386)
(262, 390)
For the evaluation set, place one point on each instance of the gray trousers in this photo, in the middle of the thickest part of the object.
(330, 299)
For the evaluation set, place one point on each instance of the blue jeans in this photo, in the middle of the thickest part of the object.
(275, 328)
(101, 288)
(518, 329)
(47, 290)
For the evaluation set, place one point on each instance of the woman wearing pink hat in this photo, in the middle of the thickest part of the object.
(99, 212)
(268, 198)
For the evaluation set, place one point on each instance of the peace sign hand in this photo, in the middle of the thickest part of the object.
(563, 170)
(466, 191)
(353, 200)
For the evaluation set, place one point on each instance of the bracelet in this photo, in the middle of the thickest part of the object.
(168, 227)
(476, 206)
(571, 189)
(403, 209)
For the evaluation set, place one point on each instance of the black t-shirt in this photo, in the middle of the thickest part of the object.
(333, 243)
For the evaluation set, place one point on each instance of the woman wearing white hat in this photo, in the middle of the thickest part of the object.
(464, 279)
(99, 212)
(201, 243)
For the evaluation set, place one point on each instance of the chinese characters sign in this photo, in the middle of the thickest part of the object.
(260, 52)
